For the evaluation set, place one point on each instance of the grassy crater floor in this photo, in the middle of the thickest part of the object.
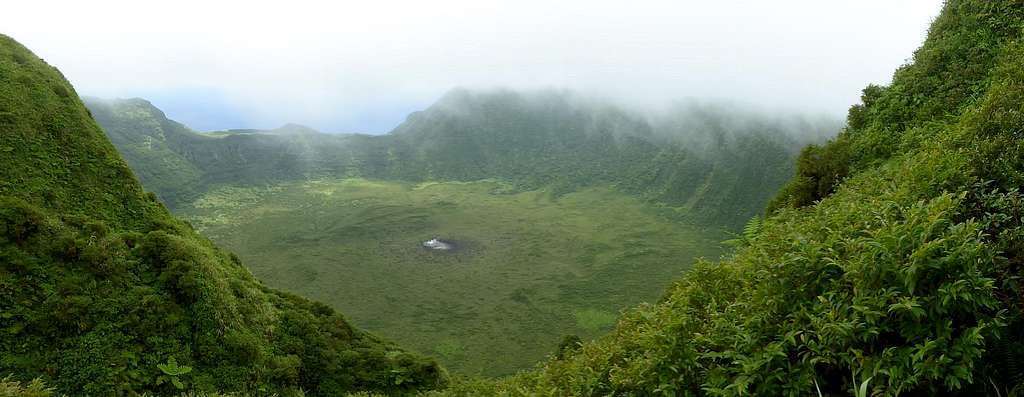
(529, 268)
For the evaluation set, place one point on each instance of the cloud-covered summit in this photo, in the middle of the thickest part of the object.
(362, 66)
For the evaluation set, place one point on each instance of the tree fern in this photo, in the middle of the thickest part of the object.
(750, 231)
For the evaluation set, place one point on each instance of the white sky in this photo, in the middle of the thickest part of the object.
(360, 66)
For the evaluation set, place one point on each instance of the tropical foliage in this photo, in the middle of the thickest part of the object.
(892, 265)
(103, 292)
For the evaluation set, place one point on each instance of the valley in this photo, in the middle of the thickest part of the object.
(530, 268)
(507, 242)
(561, 211)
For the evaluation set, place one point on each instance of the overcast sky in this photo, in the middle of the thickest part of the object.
(361, 66)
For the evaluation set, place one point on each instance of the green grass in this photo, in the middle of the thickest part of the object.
(529, 269)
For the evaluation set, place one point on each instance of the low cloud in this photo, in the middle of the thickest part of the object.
(361, 66)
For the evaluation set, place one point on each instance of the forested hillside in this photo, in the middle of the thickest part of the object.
(178, 164)
(521, 181)
(892, 263)
(717, 162)
(720, 163)
(144, 136)
(103, 292)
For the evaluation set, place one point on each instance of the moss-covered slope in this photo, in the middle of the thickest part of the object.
(99, 284)
(893, 265)
(151, 145)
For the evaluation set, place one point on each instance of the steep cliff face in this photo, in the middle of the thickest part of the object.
(103, 292)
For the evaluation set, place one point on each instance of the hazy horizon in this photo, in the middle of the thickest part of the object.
(363, 68)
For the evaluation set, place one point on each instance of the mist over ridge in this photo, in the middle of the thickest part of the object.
(719, 161)
(361, 67)
(608, 239)
(520, 180)
(688, 119)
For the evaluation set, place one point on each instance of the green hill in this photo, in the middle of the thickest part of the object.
(152, 145)
(524, 181)
(103, 292)
(720, 163)
(178, 164)
(892, 265)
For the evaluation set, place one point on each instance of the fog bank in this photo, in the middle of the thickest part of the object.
(362, 66)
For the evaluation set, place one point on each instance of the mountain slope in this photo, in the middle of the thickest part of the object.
(151, 145)
(721, 165)
(103, 292)
(893, 265)
(554, 164)
(178, 163)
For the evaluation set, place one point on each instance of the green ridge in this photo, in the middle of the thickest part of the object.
(152, 146)
(527, 177)
(721, 164)
(103, 292)
(892, 266)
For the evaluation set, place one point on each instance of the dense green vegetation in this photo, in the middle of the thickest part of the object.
(103, 292)
(179, 164)
(891, 266)
(545, 168)
(529, 268)
(720, 163)
(150, 145)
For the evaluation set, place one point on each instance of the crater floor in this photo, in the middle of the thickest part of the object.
(529, 269)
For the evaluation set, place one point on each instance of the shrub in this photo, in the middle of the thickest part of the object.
(19, 220)
(13, 388)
